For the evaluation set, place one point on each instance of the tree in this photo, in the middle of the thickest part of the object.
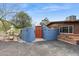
(5, 25)
(45, 21)
(21, 20)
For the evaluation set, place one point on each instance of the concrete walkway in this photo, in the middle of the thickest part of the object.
(43, 48)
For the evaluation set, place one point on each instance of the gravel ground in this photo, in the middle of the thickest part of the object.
(44, 48)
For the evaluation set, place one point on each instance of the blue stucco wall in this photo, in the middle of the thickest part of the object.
(50, 34)
(27, 34)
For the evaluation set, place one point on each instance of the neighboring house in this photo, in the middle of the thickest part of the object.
(69, 29)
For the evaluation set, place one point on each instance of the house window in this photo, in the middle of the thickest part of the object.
(66, 29)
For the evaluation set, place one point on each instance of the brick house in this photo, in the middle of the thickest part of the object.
(69, 29)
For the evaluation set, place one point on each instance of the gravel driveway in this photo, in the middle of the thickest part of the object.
(49, 48)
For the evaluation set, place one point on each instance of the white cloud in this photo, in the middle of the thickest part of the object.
(54, 8)
(16, 6)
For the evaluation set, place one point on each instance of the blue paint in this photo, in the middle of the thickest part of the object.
(28, 34)
(50, 34)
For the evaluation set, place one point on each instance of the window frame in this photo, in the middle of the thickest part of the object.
(68, 29)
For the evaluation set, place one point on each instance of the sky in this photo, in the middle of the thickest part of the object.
(38, 11)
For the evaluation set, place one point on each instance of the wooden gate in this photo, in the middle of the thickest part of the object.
(38, 32)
